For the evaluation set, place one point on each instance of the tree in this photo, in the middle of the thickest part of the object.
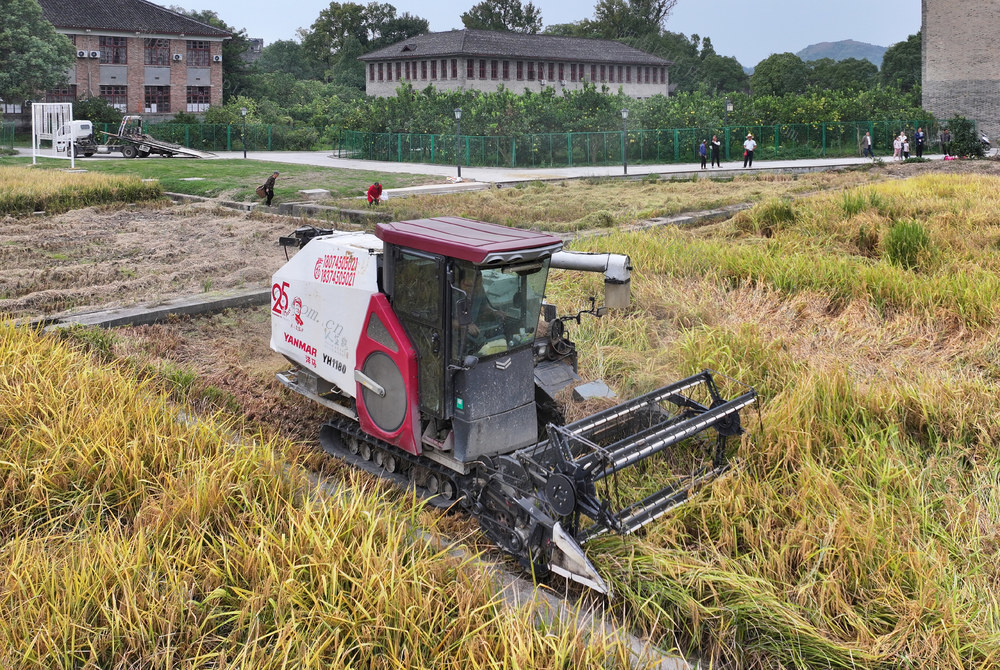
(33, 56)
(504, 15)
(235, 70)
(902, 62)
(615, 19)
(289, 57)
(842, 75)
(96, 110)
(779, 74)
(374, 25)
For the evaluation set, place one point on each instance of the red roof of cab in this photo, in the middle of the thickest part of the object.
(460, 238)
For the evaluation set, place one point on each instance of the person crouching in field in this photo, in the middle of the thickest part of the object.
(374, 194)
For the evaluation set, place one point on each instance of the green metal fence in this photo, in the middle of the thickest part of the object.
(678, 145)
(7, 135)
(222, 137)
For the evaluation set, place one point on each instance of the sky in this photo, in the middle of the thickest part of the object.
(750, 31)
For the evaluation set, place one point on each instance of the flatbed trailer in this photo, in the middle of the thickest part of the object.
(132, 143)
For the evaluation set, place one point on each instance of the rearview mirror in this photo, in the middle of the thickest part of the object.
(463, 312)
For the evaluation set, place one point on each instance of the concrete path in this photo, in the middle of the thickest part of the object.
(501, 174)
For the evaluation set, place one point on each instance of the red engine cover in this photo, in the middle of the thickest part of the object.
(386, 356)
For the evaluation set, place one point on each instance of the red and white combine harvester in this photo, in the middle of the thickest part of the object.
(426, 342)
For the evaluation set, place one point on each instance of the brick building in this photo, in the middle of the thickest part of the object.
(140, 57)
(961, 70)
(483, 60)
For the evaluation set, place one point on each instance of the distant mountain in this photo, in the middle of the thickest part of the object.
(843, 49)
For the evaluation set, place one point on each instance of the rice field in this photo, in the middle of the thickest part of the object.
(137, 534)
(596, 203)
(27, 190)
(862, 526)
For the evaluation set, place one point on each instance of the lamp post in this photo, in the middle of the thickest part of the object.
(458, 134)
(729, 108)
(243, 112)
(625, 140)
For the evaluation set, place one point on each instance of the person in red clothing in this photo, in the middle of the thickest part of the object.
(374, 193)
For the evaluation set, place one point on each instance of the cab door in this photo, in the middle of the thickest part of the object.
(418, 296)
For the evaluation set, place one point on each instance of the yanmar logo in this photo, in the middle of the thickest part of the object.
(299, 344)
(336, 270)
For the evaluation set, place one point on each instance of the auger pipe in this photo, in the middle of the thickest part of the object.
(629, 452)
(617, 269)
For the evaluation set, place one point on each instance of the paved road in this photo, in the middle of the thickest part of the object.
(499, 174)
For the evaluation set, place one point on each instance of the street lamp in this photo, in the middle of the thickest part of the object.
(243, 112)
(729, 108)
(625, 140)
(458, 133)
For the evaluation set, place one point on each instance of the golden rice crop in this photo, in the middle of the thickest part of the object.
(135, 534)
(861, 528)
(27, 190)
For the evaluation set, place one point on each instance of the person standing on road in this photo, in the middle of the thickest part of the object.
(906, 148)
(897, 147)
(748, 148)
(716, 147)
(919, 138)
(945, 141)
(866, 146)
(703, 152)
(268, 187)
(374, 194)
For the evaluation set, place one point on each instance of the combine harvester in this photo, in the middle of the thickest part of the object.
(425, 341)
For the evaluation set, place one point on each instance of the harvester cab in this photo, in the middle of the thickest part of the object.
(426, 339)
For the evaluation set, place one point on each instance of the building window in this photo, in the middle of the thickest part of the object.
(423, 69)
(482, 68)
(520, 70)
(506, 70)
(157, 99)
(552, 71)
(155, 52)
(562, 72)
(399, 70)
(647, 74)
(434, 69)
(541, 70)
(604, 73)
(663, 75)
(531, 70)
(114, 50)
(11, 107)
(381, 72)
(388, 71)
(407, 64)
(572, 72)
(371, 72)
(116, 96)
(444, 69)
(628, 74)
(198, 98)
(199, 53)
(454, 68)
(593, 73)
(620, 74)
(494, 69)
(66, 93)
(611, 73)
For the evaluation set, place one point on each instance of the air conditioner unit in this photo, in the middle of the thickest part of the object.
(178, 57)
(562, 82)
(542, 82)
(81, 53)
(95, 54)
(216, 58)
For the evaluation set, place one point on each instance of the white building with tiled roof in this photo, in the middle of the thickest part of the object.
(140, 57)
(483, 60)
